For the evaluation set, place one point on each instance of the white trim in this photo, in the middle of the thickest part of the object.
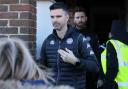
(122, 84)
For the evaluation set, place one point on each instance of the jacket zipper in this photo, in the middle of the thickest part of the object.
(58, 68)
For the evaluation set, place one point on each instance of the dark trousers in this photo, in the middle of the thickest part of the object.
(91, 80)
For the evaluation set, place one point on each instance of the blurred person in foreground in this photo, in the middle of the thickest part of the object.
(18, 70)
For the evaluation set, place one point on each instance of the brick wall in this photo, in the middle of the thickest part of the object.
(18, 19)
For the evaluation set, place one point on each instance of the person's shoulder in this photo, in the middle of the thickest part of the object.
(72, 28)
(109, 44)
(49, 37)
(81, 37)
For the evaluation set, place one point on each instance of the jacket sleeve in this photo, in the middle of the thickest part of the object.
(95, 45)
(43, 58)
(112, 67)
(88, 60)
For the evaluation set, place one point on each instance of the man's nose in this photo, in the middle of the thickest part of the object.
(80, 19)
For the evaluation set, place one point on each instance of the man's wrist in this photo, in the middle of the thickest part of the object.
(77, 62)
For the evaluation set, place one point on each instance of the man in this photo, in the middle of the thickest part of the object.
(66, 51)
(114, 58)
(80, 20)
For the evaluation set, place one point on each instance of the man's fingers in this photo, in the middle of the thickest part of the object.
(62, 52)
(69, 51)
(62, 58)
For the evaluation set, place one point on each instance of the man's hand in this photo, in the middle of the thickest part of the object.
(99, 83)
(68, 56)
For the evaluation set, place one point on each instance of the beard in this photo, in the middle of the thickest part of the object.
(81, 24)
(57, 26)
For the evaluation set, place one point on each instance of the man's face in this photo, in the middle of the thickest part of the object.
(80, 19)
(59, 18)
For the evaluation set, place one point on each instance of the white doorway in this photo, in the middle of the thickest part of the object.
(44, 24)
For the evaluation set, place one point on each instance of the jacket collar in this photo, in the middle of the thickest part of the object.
(68, 33)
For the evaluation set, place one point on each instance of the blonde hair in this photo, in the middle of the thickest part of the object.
(17, 63)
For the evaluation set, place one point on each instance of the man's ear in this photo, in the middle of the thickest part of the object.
(67, 17)
(86, 18)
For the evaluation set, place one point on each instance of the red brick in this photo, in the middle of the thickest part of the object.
(27, 15)
(29, 23)
(1, 36)
(27, 30)
(29, 8)
(8, 30)
(18, 19)
(3, 8)
(26, 1)
(25, 37)
(8, 15)
(32, 2)
(3, 22)
(9, 1)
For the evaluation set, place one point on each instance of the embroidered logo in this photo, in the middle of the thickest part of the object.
(84, 39)
(91, 52)
(52, 42)
(88, 38)
(69, 41)
(88, 45)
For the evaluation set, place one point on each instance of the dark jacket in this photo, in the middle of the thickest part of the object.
(65, 73)
(92, 38)
(118, 32)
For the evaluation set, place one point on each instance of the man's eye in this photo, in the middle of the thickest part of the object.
(82, 16)
(52, 16)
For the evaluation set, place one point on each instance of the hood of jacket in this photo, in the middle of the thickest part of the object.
(118, 31)
(68, 33)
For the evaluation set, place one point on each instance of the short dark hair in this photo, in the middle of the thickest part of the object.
(80, 9)
(59, 5)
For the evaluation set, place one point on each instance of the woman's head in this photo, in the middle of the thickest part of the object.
(118, 31)
(16, 61)
(118, 28)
